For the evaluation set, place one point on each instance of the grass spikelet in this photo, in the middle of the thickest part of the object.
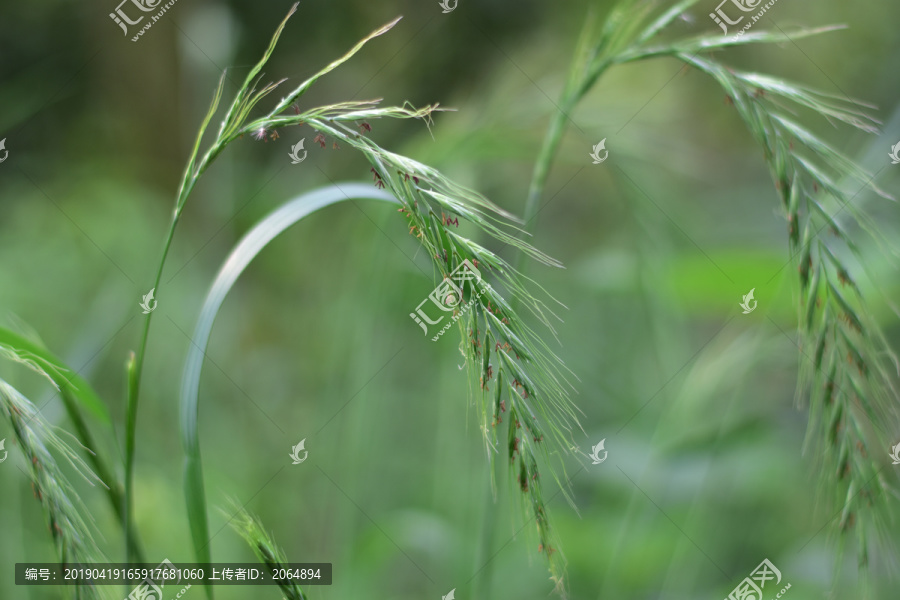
(537, 387)
(71, 535)
(250, 528)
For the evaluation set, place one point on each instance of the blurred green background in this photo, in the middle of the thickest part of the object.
(705, 475)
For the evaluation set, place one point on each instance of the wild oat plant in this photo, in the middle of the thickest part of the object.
(518, 382)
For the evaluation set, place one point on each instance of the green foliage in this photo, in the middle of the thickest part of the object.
(847, 367)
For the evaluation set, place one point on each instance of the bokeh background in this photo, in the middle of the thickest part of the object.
(706, 474)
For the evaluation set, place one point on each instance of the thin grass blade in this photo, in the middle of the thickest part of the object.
(240, 257)
(705, 43)
(664, 19)
(65, 378)
(290, 98)
(239, 98)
